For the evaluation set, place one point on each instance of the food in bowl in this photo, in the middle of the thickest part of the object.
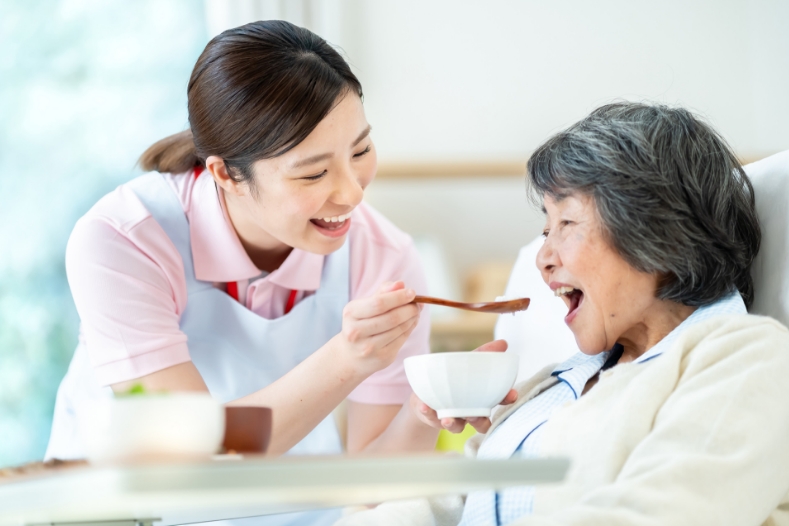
(462, 384)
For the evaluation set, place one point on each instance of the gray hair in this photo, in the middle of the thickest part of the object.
(672, 197)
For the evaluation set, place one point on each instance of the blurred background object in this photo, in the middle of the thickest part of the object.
(85, 87)
(459, 92)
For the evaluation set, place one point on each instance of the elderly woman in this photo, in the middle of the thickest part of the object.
(676, 411)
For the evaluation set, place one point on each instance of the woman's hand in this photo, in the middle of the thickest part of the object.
(375, 328)
(456, 425)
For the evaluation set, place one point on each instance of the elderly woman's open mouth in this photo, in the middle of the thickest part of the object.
(572, 296)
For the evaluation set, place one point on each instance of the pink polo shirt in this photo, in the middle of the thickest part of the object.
(128, 283)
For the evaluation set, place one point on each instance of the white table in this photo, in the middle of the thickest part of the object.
(177, 493)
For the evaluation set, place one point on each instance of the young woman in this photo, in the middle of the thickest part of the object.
(246, 264)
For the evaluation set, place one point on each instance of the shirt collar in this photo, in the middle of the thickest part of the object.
(301, 270)
(218, 254)
(578, 369)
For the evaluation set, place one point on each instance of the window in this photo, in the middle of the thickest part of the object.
(85, 87)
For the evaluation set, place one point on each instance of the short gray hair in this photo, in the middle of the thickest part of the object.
(671, 195)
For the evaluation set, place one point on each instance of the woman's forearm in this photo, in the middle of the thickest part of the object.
(306, 395)
(373, 331)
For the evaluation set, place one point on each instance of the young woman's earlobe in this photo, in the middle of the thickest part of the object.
(218, 169)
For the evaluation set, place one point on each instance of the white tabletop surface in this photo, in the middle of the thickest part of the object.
(177, 493)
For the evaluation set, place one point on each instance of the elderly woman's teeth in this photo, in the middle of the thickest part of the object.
(337, 219)
(561, 291)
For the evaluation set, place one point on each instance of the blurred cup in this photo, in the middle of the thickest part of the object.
(247, 429)
(172, 425)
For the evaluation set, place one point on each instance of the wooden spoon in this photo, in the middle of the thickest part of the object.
(495, 307)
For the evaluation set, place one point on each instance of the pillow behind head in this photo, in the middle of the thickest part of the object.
(770, 270)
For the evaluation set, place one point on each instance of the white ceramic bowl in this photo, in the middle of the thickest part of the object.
(155, 425)
(462, 384)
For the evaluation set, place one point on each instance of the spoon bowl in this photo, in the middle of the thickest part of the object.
(494, 307)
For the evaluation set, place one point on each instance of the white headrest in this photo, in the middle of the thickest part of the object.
(770, 178)
(540, 335)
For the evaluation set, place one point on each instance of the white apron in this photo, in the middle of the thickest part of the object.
(236, 351)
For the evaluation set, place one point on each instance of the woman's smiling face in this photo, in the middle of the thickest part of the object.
(607, 298)
(304, 198)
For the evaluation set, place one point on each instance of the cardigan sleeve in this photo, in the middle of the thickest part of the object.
(718, 450)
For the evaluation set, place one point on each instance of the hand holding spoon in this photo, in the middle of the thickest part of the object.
(495, 307)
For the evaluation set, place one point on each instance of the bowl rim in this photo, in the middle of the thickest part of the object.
(451, 354)
(164, 395)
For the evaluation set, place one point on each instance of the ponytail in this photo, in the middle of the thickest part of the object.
(174, 154)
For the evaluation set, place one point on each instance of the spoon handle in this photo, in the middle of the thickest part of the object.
(439, 301)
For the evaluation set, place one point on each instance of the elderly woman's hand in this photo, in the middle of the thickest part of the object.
(456, 425)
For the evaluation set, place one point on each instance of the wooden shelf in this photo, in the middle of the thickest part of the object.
(417, 170)
(467, 323)
(464, 333)
(490, 168)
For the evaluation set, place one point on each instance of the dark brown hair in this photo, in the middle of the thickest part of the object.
(256, 92)
(671, 194)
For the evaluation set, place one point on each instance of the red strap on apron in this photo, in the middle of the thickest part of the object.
(232, 290)
(198, 170)
(291, 301)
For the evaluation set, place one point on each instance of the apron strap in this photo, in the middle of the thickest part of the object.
(291, 301)
(160, 200)
(232, 290)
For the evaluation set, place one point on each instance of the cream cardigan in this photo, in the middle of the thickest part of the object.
(697, 436)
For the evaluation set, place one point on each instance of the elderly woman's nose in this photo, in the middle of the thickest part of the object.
(547, 258)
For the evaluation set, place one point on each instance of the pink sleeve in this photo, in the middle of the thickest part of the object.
(369, 270)
(127, 281)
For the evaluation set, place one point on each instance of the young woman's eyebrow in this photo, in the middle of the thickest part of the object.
(323, 156)
(311, 160)
(362, 135)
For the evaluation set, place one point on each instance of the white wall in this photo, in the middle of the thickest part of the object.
(455, 79)
(462, 79)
